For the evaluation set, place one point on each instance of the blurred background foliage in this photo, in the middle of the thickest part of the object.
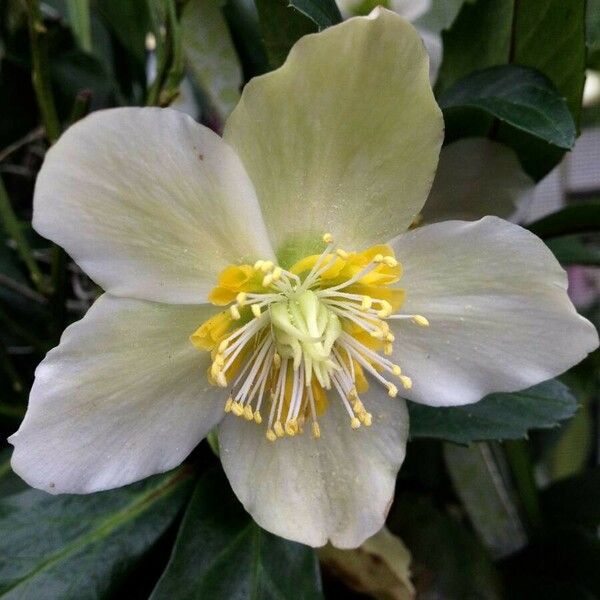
(496, 500)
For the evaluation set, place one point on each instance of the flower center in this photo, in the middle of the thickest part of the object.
(290, 339)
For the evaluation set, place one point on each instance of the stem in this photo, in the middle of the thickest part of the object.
(519, 459)
(41, 81)
(10, 369)
(13, 230)
(58, 275)
(169, 70)
(79, 19)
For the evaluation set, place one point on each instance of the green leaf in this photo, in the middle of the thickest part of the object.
(496, 417)
(449, 561)
(576, 249)
(82, 546)
(323, 13)
(574, 501)
(220, 553)
(546, 35)
(520, 97)
(210, 55)
(578, 218)
(284, 22)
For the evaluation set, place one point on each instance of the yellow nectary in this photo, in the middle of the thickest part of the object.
(292, 336)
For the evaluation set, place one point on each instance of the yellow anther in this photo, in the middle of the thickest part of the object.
(215, 369)
(267, 266)
(406, 382)
(342, 253)
(366, 419)
(276, 360)
(257, 417)
(420, 320)
(237, 409)
(291, 428)
(388, 349)
(267, 280)
(241, 298)
(396, 370)
(248, 414)
(235, 312)
(385, 328)
(219, 360)
(390, 337)
(366, 303)
(277, 272)
(258, 264)
(390, 261)
(316, 430)
(355, 422)
(271, 435)
(353, 393)
(358, 407)
(222, 346)
(328, 238)
(386, 310)
(228, 404)
(255, 310)
(377, 334)
(278, 429)
(392, 390)
(221, 379)
(378, 258)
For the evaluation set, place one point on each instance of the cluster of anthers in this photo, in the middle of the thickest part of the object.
(290, 337)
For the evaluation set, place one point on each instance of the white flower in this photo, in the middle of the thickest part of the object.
(166, 216)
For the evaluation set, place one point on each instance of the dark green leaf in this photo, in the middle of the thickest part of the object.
(282, 26)
(57, 547)
(220, 553)
(576, 249)
(572, 219)
(497, 416)
(323, 13)
(574, 501)
(546, 35)
(520, 97)
(448, 560)
(284, 22)
(593, 33)
(479, 38)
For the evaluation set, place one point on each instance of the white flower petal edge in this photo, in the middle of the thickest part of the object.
(123, 396)
(477, 177)
(500, 317)
(343, 138)
(338, 488)
(149, 203)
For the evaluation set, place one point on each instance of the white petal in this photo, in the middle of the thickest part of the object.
(500, 318)
(123, 396)
(337, 488)
(476, 177)
(343, 138)
(150, 204)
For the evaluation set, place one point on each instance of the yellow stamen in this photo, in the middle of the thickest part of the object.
(420, 320)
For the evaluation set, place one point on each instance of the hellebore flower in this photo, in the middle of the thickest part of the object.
(249, 285)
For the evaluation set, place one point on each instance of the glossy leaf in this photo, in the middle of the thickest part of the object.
(284, 22)
(576, 249)
(57, 547)
(497, 416)
(220, 553)
(578, 218)
(520, 97)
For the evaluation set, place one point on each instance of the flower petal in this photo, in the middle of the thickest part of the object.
(337, 488)
(477, 177)
(343, 138)
(123, 396)
(496, 300)
(150, 204)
